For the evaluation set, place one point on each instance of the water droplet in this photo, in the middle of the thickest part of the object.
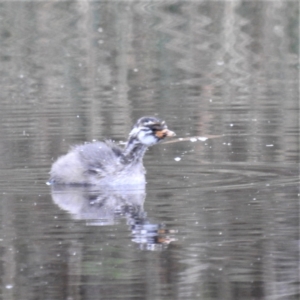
(202, 138)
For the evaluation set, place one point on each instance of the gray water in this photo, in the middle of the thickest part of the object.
(219, 218)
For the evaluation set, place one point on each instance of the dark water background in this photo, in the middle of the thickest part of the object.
(219, 218)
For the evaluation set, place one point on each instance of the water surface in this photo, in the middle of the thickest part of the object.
(219, 218)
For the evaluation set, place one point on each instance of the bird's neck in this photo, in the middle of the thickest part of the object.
(134, 151)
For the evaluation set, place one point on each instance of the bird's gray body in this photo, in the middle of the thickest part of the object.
(96, 164)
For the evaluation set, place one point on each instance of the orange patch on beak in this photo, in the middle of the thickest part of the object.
(163, 133)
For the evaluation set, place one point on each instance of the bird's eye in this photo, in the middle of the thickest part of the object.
(157, 128)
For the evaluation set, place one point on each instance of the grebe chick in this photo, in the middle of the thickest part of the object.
(105, 163)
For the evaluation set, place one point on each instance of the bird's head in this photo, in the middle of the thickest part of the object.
(149, 131)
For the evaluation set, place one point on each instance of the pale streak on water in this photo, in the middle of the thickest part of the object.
(219, 218)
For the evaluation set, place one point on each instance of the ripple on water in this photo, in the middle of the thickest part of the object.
(224, 176)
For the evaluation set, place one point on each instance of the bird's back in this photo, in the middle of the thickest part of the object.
(90, 164)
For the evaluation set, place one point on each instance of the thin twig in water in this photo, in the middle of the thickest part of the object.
(193, 139)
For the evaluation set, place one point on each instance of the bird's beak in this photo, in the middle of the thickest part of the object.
(165, 132)
(169, 132)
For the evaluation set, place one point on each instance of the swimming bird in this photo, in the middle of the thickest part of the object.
(106, 163)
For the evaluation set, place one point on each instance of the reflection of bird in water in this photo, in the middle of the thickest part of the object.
(99, 206)
(106, 207)
(105, 163)
(150, 236)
